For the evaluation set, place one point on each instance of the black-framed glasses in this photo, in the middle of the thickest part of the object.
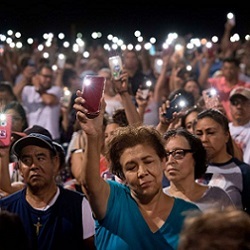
(178, 154)
(47, 76)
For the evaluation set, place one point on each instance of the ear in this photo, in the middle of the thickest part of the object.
(56, 164)
(227, 134)
(19, 166)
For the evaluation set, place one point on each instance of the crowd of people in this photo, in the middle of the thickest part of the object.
(168, 148)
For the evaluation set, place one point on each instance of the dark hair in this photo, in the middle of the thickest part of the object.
(188, 112)
(13, 234)
(199, 152)
(119, 117)
(233, 60)
(216, 229)
(7, 87)
(67, 74)
(18, 107)
(128, 137)
(222, 120)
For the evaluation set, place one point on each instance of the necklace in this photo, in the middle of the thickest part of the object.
(37, 226)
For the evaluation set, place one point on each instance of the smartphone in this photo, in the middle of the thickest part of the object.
(145, 88)
(211, 98)
(5, 129)
(158, 62)
(61, 59)
(92, 91)
(231, 18)
(1, 49)
(115, 65)
(66, 98)
(176, 105)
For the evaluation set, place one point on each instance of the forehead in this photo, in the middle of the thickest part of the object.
(177, 141)
(207, 122)
(33, 150)
(137, 151)
(46, 71)
(12, 112)
(111, 127)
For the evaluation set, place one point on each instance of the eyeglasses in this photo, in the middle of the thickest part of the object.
(47, 76)
(178, 154)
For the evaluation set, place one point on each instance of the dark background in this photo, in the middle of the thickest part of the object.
(121, 18)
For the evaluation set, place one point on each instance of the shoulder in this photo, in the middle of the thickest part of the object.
(72, 194)
(11, 199)
(217, 191)
(181, 204)
(245, 167)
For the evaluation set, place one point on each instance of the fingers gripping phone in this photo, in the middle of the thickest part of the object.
(92, 92)
(5, 130)
(176, 105)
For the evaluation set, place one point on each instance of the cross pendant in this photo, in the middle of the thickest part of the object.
(38, 225)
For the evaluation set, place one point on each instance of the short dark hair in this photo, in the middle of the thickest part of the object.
(130, 136)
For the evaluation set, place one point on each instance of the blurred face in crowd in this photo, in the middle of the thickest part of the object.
(46, 78)
(192, 87)
(230, 71)
(189, 121)
(17, 120)
(5, 98)
(240, 110)
(130, 60)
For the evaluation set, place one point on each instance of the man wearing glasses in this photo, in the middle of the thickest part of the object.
(42, 101)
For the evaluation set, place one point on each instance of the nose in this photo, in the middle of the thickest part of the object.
(203, 137)
(142, 170)
(170, 158)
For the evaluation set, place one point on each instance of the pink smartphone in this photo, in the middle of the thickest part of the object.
(211, 98)
(92, 92)
(5, 130)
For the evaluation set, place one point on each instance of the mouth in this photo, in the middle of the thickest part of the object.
(145, 184)
(172, 171)
(35, 176)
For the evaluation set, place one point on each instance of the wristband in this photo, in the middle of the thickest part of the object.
(79, 150)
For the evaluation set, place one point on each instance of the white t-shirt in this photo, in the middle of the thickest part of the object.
(241, 135)
(47, 116)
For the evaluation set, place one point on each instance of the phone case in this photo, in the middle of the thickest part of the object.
(115, 65)
(5, 130)
(176, 105)
(211, 99)
(92, 92)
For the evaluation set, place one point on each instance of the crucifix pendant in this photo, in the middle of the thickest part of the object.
(38, 225)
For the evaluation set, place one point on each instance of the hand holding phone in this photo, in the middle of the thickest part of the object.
(92, 92)
(5, 129)
(176, 105)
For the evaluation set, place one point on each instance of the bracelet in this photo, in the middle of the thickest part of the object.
(80, 150)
